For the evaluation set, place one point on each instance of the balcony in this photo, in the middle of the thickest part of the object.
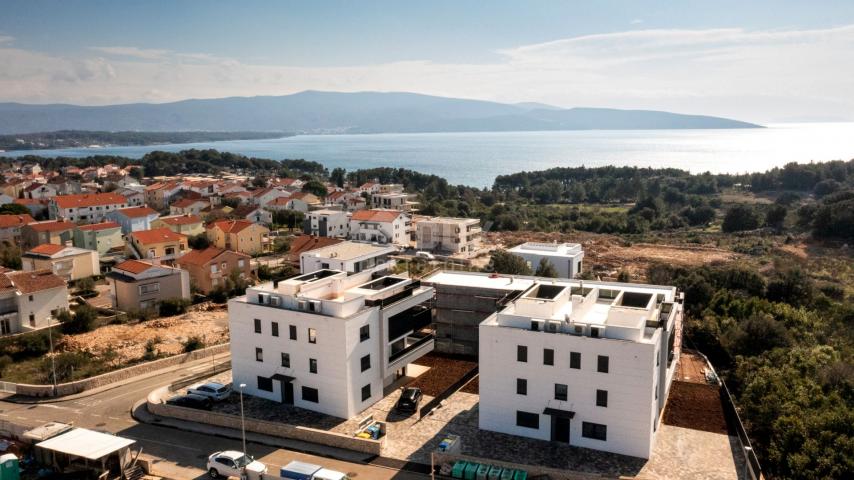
(417, 345)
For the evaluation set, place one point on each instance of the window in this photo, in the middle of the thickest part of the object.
(601, 398)
(265, 384)
(535, 325)
(259, 354)
(561, 392)
(31, 298)
(213, 268)
(274, 328)
(527, 420)
(366, 392)
(257, 325)
(521, 353)
(312, 335)
(364, 333)
(310, 394)
(292, 329)
(521, 386)
(657, 359)
(240, 263)
(32, 320)
(286, 360)
(548, 356)
(575, 360)
(594, 431)
(312, 365)
(602, 366)
(594, 332)
(149, 288)
(366, 362)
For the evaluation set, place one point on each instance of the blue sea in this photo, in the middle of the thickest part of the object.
(476, 158)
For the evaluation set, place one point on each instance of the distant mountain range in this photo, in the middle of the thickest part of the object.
(332, 112)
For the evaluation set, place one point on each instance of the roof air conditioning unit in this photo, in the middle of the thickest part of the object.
(553, 327)
(314, 306)
(302, 305)
(275, 301)
(579, 329)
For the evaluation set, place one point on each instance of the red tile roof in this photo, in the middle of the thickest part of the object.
(279, 201)
(52, 226)
(304, 243)
(99, 226)
(8, 221)
(47, 249)
(137, 212)
(181, 219)
(201, 258)
(133, 266)
(376, 215)
(157, 235)
(35, 281)
(187, 202)
(88, 200)
(231, 226)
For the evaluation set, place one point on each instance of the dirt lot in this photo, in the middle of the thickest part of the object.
(444, 372)
(128, 340)
(608, 254)
(696, 406)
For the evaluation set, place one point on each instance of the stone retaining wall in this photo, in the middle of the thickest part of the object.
(77, 386)
(439, 458)
(156, 406)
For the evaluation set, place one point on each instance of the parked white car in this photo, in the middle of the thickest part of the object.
(230, 463)
(424, 255)
(213, 390)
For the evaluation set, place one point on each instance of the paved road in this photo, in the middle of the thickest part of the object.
(180, 454)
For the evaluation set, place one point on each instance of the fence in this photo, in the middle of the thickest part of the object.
(732, 417)
(432, 404)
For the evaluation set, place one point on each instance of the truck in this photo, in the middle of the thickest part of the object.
(309, 471)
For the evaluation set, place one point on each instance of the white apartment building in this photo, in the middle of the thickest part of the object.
(327, 223)
(448, 235)
(565, 257)
(350, 257)
(30, 300)
(328, 341)
(85, 207)
(393, 200)
(584, 363)
(380, 226)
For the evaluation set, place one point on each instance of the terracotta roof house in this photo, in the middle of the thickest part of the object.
(159, 195)
(137, 285)
(102, 237)
(210, 268)
(29, 300)
(69, 263)
(190, 206)
(50, 231)
(85, 207)
(252, 213)
(10, 227)
(159, 243)
(239, 235)
(306, 243)
(190, 225)
(380, 226)
(134, 219)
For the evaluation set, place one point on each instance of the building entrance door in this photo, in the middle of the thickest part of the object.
(288, 393)
(560, 429)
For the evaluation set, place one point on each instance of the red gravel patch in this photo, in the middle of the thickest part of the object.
(444, 372)
(473, 386)
(696, 406)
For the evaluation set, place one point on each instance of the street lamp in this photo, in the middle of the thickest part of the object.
(243, 423)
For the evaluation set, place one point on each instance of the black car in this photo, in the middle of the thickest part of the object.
(408, 401)
(191, 400)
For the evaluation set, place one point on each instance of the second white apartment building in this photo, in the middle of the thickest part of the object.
(583, 363)
(350, 257)
(381, 226)
(327, 223)
(564, 257)
(328, 341)
(449, 235)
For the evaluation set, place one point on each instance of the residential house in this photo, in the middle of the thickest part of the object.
(263, 196)
(299, 201)
(30, 300)
(393, 200)
(70, 263)
(239, 235)
(449, 235)
(210, 268)
(566, 258)
(39, 191)
(101, 237)
(205, 188)
(57, 232)
(14, 187)
(350, 257)
(37, 208)
(587, 364)
(159, 195)
(380, 226)
(137, 285)
(305, 243)
(158, 244)
(135, 195)
(291, 184)
(369, 188)
(253, 214)
(10, 228)
(188, 206)
(328, 341)
(189, 225)
(85, 207)
(327, 223)
(134, 219)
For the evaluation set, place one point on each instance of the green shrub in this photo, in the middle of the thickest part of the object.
(5, 361)
(173, 306)
(193, 343)
(83, 320)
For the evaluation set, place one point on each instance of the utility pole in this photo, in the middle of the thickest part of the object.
(52, 360)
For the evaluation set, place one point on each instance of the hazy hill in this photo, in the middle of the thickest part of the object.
(319, 112)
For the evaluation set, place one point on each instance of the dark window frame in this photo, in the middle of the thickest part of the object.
(274, 328)
(257, 322)
(286, 360)
(292, 332)
(521, 386)
(265, 384)
(602, 364)
(522, 353)
(602, 398)
(259, 354)
(366, 389)
(527, 420)
(561, 392)
(575, 360)
(548, 357)
(310, 394)
(365, 362)
(312, 365)
(595, 431)
(364, 333)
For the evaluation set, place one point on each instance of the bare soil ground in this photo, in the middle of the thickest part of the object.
(606, 255)
(128, 341)
(444, 372)
(696, 406)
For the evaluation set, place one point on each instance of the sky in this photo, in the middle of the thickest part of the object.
(760, 60)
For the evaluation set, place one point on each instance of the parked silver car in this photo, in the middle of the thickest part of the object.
(213, 390)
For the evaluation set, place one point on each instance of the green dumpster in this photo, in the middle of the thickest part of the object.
(494, 473)
(507, 474)
(471, 471)
(459, 469)
(482, 472)
(521, 475)
(9, 467)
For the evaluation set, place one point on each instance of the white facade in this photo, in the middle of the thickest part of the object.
(327, 223)
(584, 363)
(382, 227)
(135, 223)
(448, 235)
(23, 309)
(328, 341)
(350, 257)
(565, 257)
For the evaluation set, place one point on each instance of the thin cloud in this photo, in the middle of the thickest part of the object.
(6, 39)
(134, 52)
